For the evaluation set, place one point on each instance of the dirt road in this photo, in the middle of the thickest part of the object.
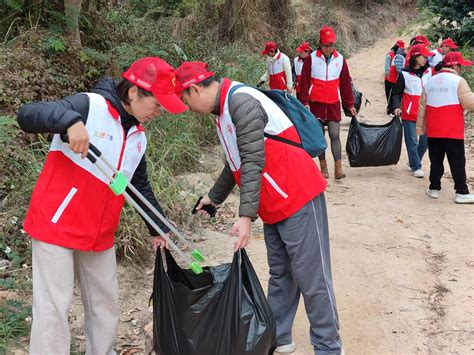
(402, 262)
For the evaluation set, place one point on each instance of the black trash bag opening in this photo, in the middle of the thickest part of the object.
(222, 311)
(374, 145)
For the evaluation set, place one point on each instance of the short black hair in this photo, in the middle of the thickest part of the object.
(124, 86)
(205, 83)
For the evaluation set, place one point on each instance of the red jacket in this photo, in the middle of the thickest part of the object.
(320, 93)
(290, 177)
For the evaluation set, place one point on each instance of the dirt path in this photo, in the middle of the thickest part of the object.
(402, 263)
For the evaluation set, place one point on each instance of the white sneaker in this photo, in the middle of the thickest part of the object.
(432, 193)
(418, 173)
(286, 349)
(408, 167)
(468, 198)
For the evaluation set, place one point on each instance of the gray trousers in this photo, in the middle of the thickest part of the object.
(54, 269)
(299, 261)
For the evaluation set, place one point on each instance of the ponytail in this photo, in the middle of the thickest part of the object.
(439, 66)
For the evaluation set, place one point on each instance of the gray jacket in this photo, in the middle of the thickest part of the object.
(249, 119)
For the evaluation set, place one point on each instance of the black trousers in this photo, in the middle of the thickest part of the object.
(388, 87)
(454, 150)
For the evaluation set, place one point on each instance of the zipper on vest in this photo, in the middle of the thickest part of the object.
(124, 143)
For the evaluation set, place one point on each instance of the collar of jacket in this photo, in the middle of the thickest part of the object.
(276, 56)
(418, 72)
(447, 70)
(217, 106)
(334, 54)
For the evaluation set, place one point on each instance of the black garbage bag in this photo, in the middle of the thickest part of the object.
(222, 311)
(374, 145)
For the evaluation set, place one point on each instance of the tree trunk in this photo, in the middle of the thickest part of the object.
(72, 10)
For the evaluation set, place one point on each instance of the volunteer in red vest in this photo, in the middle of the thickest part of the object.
(388, 62)
(441, 116)
(73, 214)
(303, 51)
(325, 74)
(278, 74)
(405, 101)
(445, 47)
(281, 184)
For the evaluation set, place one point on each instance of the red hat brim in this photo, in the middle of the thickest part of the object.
(171, 103)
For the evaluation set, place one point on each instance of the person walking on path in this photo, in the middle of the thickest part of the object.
(303, 50)
(441, 116)
(405, 101)
(396, 66)
(388, 62)
(325, 74)
(445, 47)
(281, 184)
(278, 73)
(73, 214)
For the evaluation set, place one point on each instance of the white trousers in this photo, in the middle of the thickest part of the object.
(54, 270)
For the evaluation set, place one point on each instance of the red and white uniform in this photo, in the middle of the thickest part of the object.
(393, 73)
(444, 113)
(298, 63)
(72, 205)
(324, 85)
(290, 177)
(278, 72)
(391, 54)
(412, 93)
(438, 57)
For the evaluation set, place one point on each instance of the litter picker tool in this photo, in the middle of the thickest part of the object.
(119, 184)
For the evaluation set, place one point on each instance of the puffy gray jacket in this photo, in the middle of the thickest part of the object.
(249, 119)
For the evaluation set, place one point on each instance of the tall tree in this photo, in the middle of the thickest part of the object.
(72, 10)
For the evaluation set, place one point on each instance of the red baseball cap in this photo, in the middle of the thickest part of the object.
(455, 58)
(420, 49)
(155, 75)
(327, 35)
(268, 47)
(423, 40)
(303, 47)
(190, 73)
(449, 42)
(400, 44)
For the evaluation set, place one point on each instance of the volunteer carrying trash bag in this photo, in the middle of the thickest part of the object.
(273, 178)
(73, 214)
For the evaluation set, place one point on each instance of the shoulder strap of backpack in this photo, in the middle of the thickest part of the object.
(267, 135)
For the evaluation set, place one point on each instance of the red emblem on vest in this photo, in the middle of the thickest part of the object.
(229, 128)
(139, 147)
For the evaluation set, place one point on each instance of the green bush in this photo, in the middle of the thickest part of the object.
(450, 18)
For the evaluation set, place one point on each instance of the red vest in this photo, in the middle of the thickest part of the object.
(412, 93)
(391, 54)
(276, 72)
(72, 205)
(393, 73)
(298, 62)
(324, 86)
(444, 113)
(290, 177)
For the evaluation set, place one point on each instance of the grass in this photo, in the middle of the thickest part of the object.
(13, 323)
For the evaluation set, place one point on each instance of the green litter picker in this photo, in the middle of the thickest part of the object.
(119, 183)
